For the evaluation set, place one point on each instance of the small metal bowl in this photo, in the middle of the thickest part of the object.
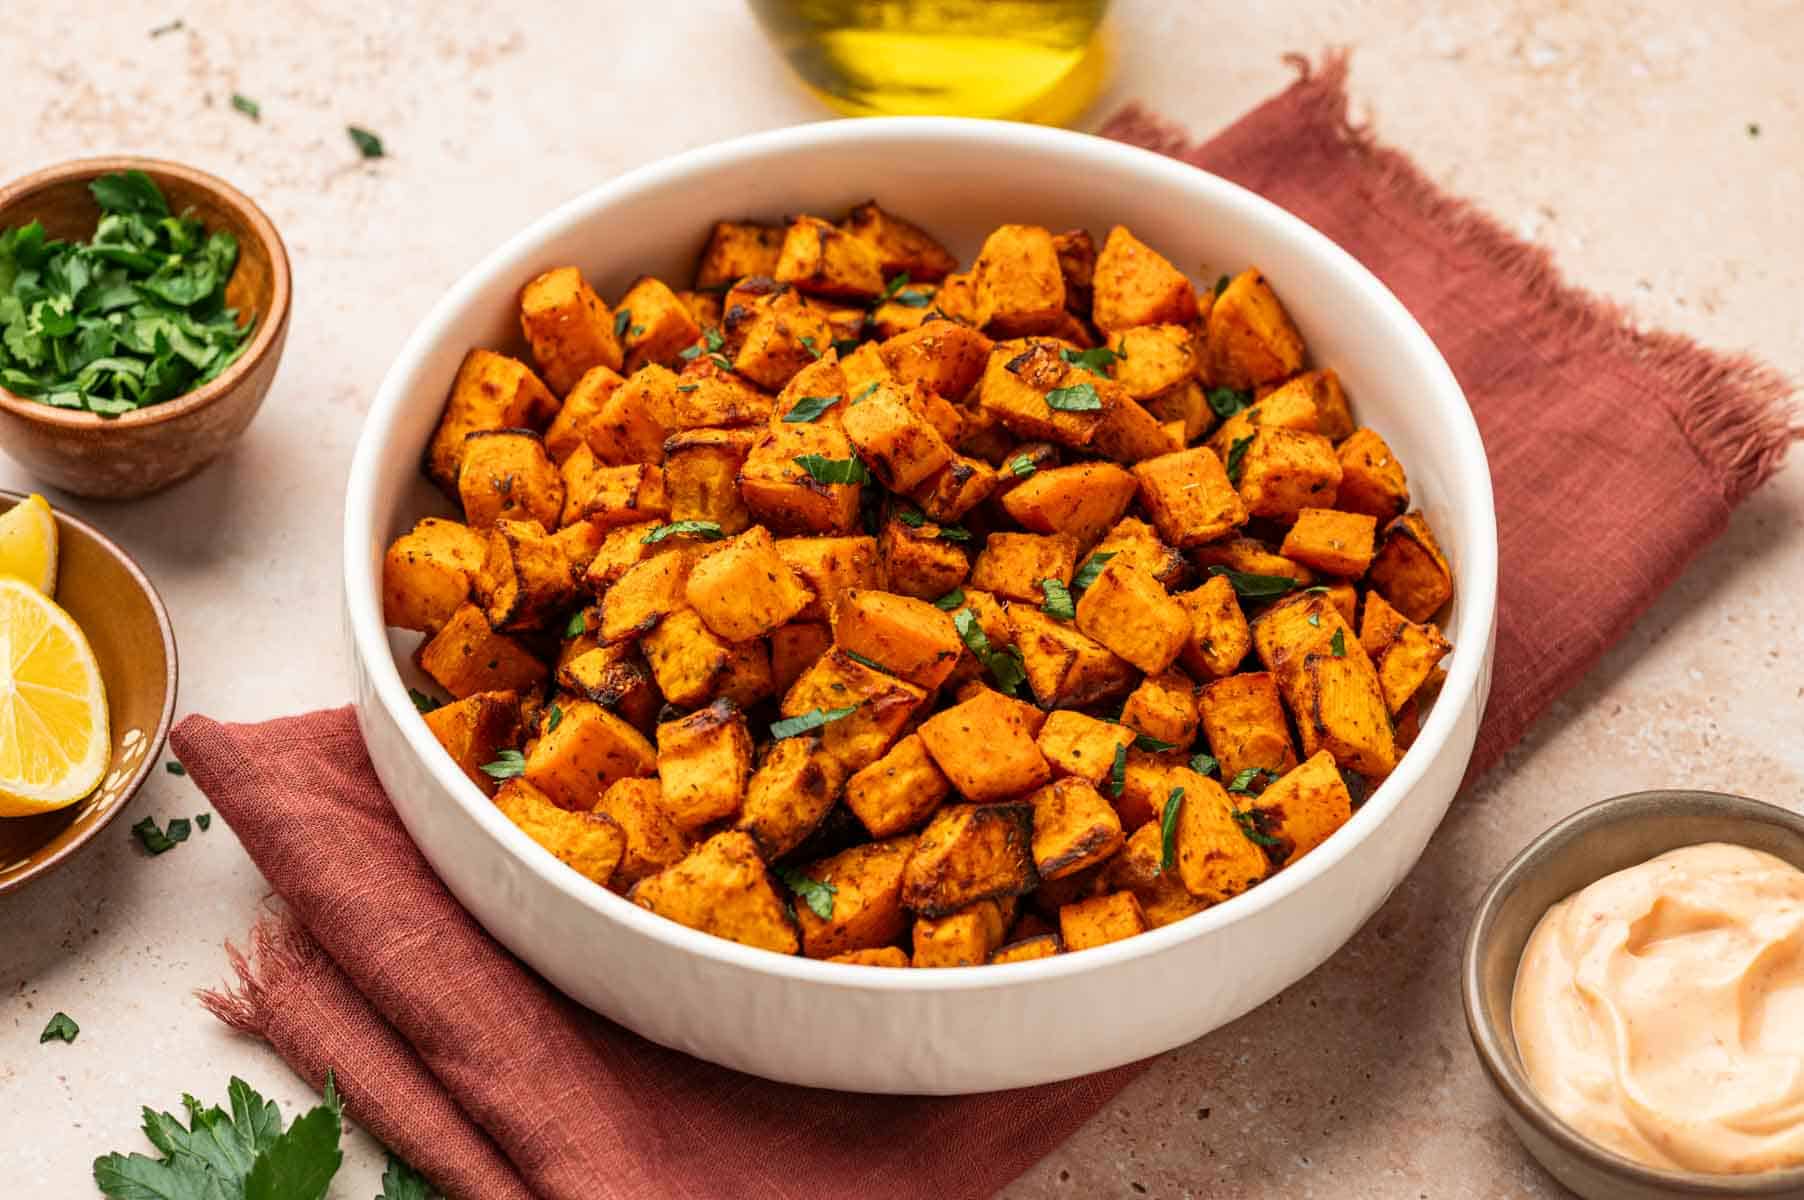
(1590, 844)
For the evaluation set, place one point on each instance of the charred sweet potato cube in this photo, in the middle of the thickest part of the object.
(1065, 668)
(1219, 634)
(1012, 565)
(917, 561)
(427, 572)
(1080, 501)
(1216, 859)
(1017, 282)
(588, 750)
(789, 795)
(624, 547)
(1243, 719)
(1126, 610)
(1154, 359)
(1339, 707)
(476, 729)
(907, 637)
(1250, 556)
(1331, 541)
(585, 401)
(643, 596)
(1074, 828)
(1284, 472)
(722, 888)
(590, 843)
(1164, 708)
(466, 656)
(1027, 949)
(1135, 285)
(1082, 746)
(1250, 337)
(1018, 378)
(1100, 919)
(1409, 570)
(880, 956)
(945, 357)
(1137, 544)
(965, 938)
(866, 899)
(704, 761)
(743, 589)
(1303, 807)
(793, 649)
(525, 580)
(985, 748)
(1404, 652)
(1020, 461)
(657, 325)
(579, 543)
(967, 853)
(693, 665)
(1189, 498)
(708, 396)
(781, 335)
(828, 566)
(1076, 251)
(568, 327)
(737, 249)
(955, 489)
(634, 419)
(899, 791)
(1372, 480)
(1301, 623)
(824, 260)
(491, 391)
(611, 496)
(615, 677)
(507, 474)
(781, 493)
(900, 447)
(653, 842)
(901, 246)
(701, 476)
(1285, 408)
(882, 705)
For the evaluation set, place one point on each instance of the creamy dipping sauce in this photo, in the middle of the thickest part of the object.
(1660, 1011)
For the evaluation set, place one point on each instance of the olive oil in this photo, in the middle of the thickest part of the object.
(1028, 60)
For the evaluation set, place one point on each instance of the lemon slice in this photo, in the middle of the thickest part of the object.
(54, 744)
(28, 544)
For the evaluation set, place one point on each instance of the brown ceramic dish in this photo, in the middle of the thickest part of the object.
(1594, 842)
(116, 458)
(124, 620)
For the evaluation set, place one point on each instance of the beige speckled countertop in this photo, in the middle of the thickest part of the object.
(1617, 133)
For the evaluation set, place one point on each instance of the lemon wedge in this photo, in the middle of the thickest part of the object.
(28, 544)
(54, 743)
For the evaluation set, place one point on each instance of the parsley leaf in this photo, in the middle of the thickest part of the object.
(1203, 764)
(367, 143)
(554, 718)
(1248, 782)
(912, 299)
(402, 1182)
(896, 284)
(1237, 458)
(1143, 741)
(809, 721)
(864, 392)
(1079, 397)
(808, 345)
(508, 764)
(175, 768)
(1228, 401)
(247, 106)
(1315, 619)
(954, 533)
(1095, 361)
(155, 840)
(817, 895)
(1021, 466)
(1086, 574)
(204, 820)
(953, 599)
(910, 518)
(1168, 830)
(1248, 820)
(809, 407)
(623, 321)
(1249, 586)
(62, 1028)
(577, 624)
(1118, 772)
(708, 531)
(862, 661)
(1004, 665)
(1338, 643)
(1221, 285)
(1058, 600)
(834, 470)
(170, 27)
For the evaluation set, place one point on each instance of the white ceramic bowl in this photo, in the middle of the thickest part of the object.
(975, 1028)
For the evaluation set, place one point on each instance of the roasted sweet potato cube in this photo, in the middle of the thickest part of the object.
(945, 357)
(1126, 610)
(1284, 471)
(1404, 652)
(427, 572)
(1018, 378)
(1040, 945)
(822, 381)
(1189, 498)
(882, 705)
(507, 474)
(991, 619)
(1154, 359)
(1216, 859)
(1285, 408)
(1303, 807)
(1080, 501)
(634, 419)
(1250, 556)
(917, 561)
(611, 496)
(899, 791)
(525, 580)
(1333, 542)
(1243, 720)
(866, 897)
(1372, 480)
(860, 369)
(588, 750)
(957, 298)
(1219, 634)
(584, 403)
(906, 636)
(1145, 784)
(1128, 432)
(1139, 868)
(781, 493)
(705, 308)
(781, 335)
(708, 396)
(693, 665)
(828, 566)
(1076, 251)
(1017, 282)
(880, 956)
(743, 589)
(1409, 570)
(910, 308)
(1164, 708)
(590, 843)
(739, 306)
(643, 596)
(615, 677)
(1301, 623)
(985, 748)
(965, 938)
(1012, 565)
(1334, 416)
(900, 447)
(491, 391)
(657, 325)
(1137, 544)
(1100, 919)
(701, 477)
(579, 544)
(901, 246)
(1251, 339)
(824, 260)
(1074, 828)
(466, 656)
(568, 327)
(1135, 285)
(624, 547)
(704, 761)
(737, 249)
(793, 649)
(476, 729)
(722, 888)
(1031, 716)
(1082, 746)
(955, 489)
(1065, 668)
(789, 794)
(967, 853)
(653, 842)
(1339, 707)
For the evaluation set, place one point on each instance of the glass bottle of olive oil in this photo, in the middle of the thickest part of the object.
(1028, 60)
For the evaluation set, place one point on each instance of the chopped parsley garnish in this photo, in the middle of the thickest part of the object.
(688, 387)
(623, 320)
(808, 345)
(1095, 361)
(912, 299)
(954, 599)
(1249, 586)
(1204, 764)
(1221, 285)
(1004, 665)
(170, 27)
(809, 721)
(204, 821)
(1315, 619)
(175, 768)
(862, 661)
(247, 106)
(1249, 825)
(897, 283)
(1168, 830)
(576, 625)
(1118, 772)
(834, 470)
(1086, 574)
(1228, 401)
(1143, 741)
(62, 1028)
(1079, 397)
(508, 764)
(954, 533)
(554, 718)
(864, 393)
(367, 143)
(1250, 781)
(708, 531)
(808, 408)
(159, 841)
(1338, 643)
(421, 700)
(1021, 466)
(816, 895)
(1058, 600)
(1237, 458)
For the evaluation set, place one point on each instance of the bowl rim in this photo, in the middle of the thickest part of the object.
(269, 324)
(1478, 586)
(165, 717)
(1487, 1028)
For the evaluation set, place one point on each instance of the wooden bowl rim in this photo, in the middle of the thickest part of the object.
(85, 834)
(269, 324)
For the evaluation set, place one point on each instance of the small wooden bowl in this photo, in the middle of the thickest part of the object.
(116, 458)
(124, 620)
